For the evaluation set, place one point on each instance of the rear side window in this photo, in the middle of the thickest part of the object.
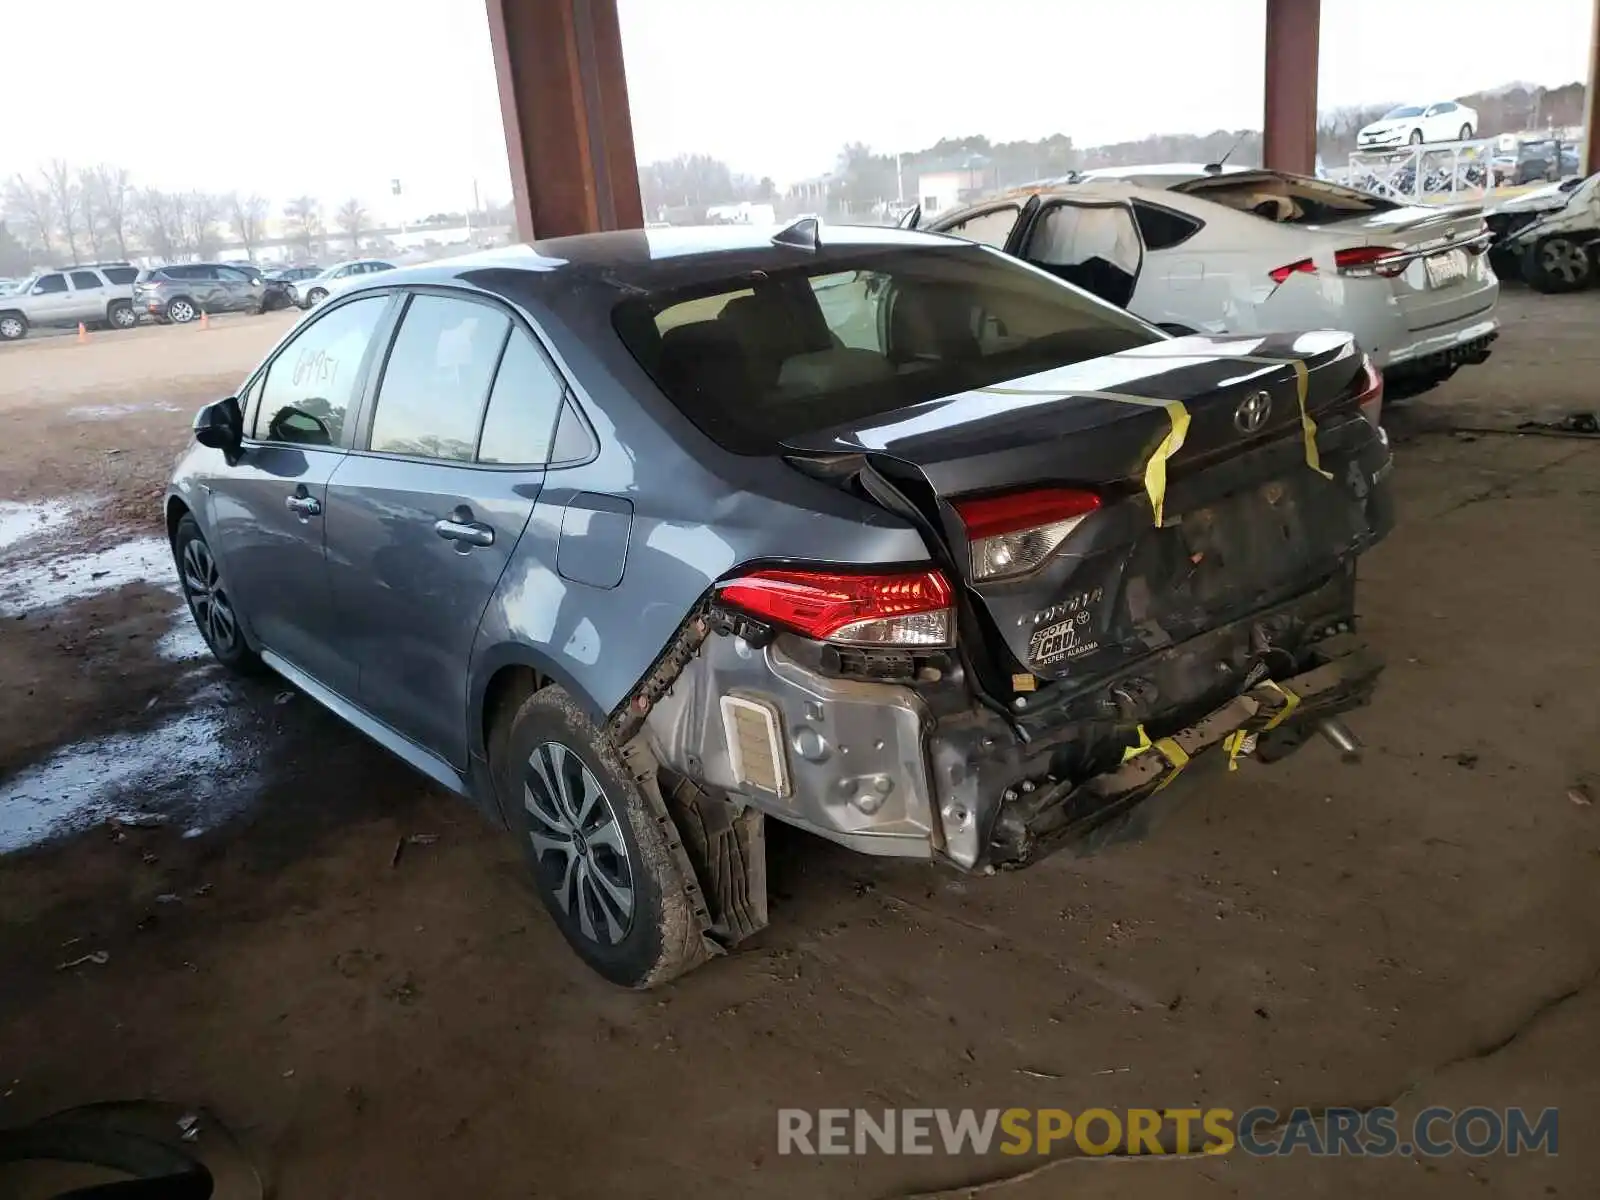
(85, 280)
(50, 283)
(313, 381)
(858, 335)
(121, 275)
(990, 228)
(1161, 228)
(437, 378)
(522, 408)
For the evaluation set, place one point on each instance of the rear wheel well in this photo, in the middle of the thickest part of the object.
(508, 687)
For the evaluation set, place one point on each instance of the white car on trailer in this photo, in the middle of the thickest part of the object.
(1197, 249)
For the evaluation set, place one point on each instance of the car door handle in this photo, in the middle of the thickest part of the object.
(303, 506)
(465, 533)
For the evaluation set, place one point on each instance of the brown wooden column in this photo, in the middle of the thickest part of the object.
(1289, 123)
(1591, 108)
(564, 102)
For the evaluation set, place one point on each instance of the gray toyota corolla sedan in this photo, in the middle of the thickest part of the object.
(637, 539)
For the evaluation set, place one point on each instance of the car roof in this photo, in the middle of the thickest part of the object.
(646, 259)
(1163, 175)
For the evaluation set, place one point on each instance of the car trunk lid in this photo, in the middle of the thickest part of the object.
(1244, 517)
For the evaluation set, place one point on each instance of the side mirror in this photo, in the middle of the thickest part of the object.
(220, 425)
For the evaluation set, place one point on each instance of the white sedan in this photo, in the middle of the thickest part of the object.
(1412, 124)
(1208, 250)
(308, 293)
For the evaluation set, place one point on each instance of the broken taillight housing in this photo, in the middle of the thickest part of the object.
(1012, 534)
(904, 609)
(1358, 261)
(1369, 398)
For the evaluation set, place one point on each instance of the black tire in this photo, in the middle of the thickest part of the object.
(13, 327)
(1416, 137)
(1465, 135)
(543, 767)
(316, 296)
(1558, 264)
(121, 316)
(181, 310)
(208, 600)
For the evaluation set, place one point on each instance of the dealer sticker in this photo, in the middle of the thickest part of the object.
(1060, 641)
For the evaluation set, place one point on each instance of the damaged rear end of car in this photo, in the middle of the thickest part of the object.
(1139, 553)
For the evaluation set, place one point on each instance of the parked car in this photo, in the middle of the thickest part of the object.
(181, 292)
(1409, 124)
(97, 294)
(295, 274)
(1538, 160)
(313, 291)
(1550, 237)
(1250, 251)
(274, 292)
(634, 538)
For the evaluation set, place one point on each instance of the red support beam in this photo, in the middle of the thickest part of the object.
(1591, 109)
(564, 103)
(1289, 123)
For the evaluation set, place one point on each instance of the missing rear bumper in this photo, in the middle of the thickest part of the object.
(1092, 812)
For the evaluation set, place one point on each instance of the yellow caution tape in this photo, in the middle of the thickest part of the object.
(1290, 703)
(1174, 754)
(1308, 427)
(1135, 751)
(1235, 744)
(1155, 470)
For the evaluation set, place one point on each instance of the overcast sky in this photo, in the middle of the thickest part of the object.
(336, 97)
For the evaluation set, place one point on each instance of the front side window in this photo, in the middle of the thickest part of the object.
(437, 378)
(990, 228)
(84, 281)
(50, 284)
(313, 382)
(805, 348)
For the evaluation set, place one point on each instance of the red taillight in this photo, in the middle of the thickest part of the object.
(1012, 534)
(911, 609)
(1370, 398)
(1358, 260)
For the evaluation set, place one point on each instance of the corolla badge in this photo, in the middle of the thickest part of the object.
(1252, 412)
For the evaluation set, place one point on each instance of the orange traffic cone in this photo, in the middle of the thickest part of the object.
(83, 333)
(205, 319)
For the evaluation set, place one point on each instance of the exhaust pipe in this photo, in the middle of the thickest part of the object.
(1343, 738)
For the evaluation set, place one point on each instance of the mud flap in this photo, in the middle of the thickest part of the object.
(720, 853)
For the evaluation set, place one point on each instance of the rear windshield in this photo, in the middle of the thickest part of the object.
(758, 358)
(1288, 199)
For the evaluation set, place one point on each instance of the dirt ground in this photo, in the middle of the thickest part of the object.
(373, 1015)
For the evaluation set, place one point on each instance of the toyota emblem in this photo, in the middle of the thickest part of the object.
(1253, 412)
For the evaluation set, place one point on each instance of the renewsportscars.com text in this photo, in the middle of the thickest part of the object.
(1260, 1132)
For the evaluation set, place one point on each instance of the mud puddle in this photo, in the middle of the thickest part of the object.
(194, 770)
(27, 586)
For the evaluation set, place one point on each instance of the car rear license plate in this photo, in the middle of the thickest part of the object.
(1447, 268)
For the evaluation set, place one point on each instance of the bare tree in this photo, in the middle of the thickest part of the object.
(201, 212)
(67, 197)
(303, 216)
(353, 221)
(89, 210)
(249, 217)
(31, 214)
(106, 192)
(159, 217)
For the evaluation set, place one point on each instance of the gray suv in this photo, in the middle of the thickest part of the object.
(95, 294)
(181, 292)
(638, 539)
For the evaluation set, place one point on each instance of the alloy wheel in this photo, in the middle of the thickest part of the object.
(181, 311)
(1564, 260)
(10, 328)
(577, 840)
(202, 587)
(124, 318)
